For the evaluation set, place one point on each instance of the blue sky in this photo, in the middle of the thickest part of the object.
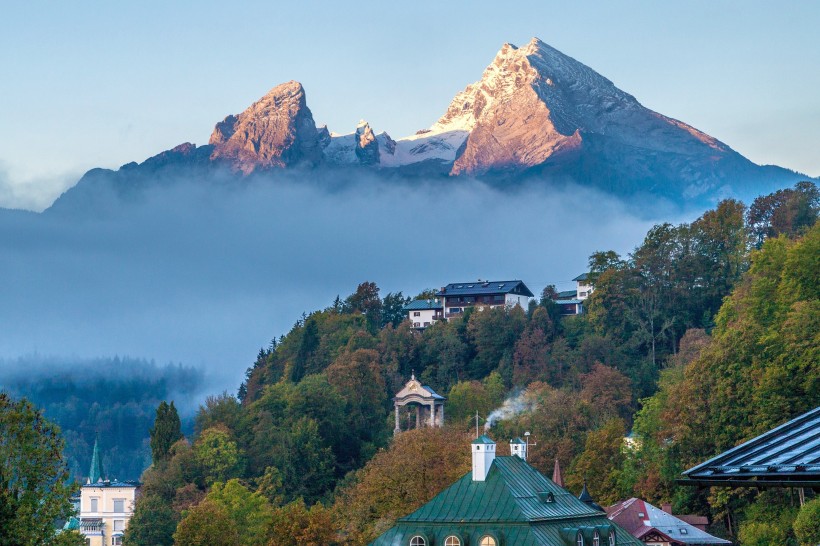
(85, 84)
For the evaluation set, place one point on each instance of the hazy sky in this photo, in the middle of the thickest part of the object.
(85, 84)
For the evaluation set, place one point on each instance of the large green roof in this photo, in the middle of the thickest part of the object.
(514, 501)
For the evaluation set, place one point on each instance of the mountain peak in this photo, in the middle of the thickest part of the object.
(276, 131)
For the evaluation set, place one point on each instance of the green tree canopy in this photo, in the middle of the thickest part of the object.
(34, 487)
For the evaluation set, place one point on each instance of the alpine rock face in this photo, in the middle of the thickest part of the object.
(535, 116)
(276, 131)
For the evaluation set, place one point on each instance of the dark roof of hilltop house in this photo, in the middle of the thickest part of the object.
(417, 305)
(565, 294)
(786, 456)
(581, 277)
(643, 519)
(485, 287)
(515, 502)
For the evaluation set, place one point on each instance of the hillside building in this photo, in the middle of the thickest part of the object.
(571, 302)
(658, 527)
(457, 297)
(105, 506)
(503, 501)
(428, 404)
(423, 313)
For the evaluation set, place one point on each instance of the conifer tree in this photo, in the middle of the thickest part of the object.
(165, 432)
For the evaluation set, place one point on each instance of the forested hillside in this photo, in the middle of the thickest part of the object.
(110, 399)
(709, 331)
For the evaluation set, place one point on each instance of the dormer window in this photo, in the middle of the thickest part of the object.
(487, 540)
(596, 539)
(612, 538)
(452, 540)
(418, 541)
(579, 539)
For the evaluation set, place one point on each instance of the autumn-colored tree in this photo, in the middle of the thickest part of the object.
(608, 392)
(296, 525)
(599, 464)
(531, 360)
(417, 466)
(207, 524)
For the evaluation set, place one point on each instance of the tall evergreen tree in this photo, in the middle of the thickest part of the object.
(165, 432)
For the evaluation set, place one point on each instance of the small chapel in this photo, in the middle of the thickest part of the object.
(428, 405)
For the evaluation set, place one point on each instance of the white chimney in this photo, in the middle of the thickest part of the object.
(518, 447)
(483, 449)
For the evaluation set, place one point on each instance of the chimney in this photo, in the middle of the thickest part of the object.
(518, 447)
(667, 507)
(483, 449)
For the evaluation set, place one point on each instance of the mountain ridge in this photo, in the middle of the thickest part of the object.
(535, 116)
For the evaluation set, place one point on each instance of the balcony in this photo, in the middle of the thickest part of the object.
(91, 526)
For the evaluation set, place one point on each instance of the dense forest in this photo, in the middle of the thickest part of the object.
(706, 335)
(109, 399)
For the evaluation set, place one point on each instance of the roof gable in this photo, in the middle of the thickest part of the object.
(415, 389)
(510, 494)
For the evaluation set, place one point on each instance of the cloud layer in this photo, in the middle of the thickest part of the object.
(205, 276)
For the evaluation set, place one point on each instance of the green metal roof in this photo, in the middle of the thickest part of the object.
(517, 441)
(511, 502)
(417, 305)
(483, 439)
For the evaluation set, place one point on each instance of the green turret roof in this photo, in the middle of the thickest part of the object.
(96, 473)
(515, 501)
(483, 439)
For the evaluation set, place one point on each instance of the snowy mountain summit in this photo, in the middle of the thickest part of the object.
(536, 116)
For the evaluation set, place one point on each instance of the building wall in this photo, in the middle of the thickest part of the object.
(424, 315)
(514, 299)
(583, 290)
(105, 510)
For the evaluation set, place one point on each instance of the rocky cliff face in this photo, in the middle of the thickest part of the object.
(534, 104)
(276, 131)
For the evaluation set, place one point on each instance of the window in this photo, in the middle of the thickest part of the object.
(416, 313)
(116, 541)
(455, 309)
(683, 531)
(596, 539)
(416, 324)
(426, 324)
(499, 297)
(452, 540)
(487, 540)
(469, 299)
(418, 541)
(95, 502)
(119, 505)
(579, 539)
(612, 538)
(119, 525)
